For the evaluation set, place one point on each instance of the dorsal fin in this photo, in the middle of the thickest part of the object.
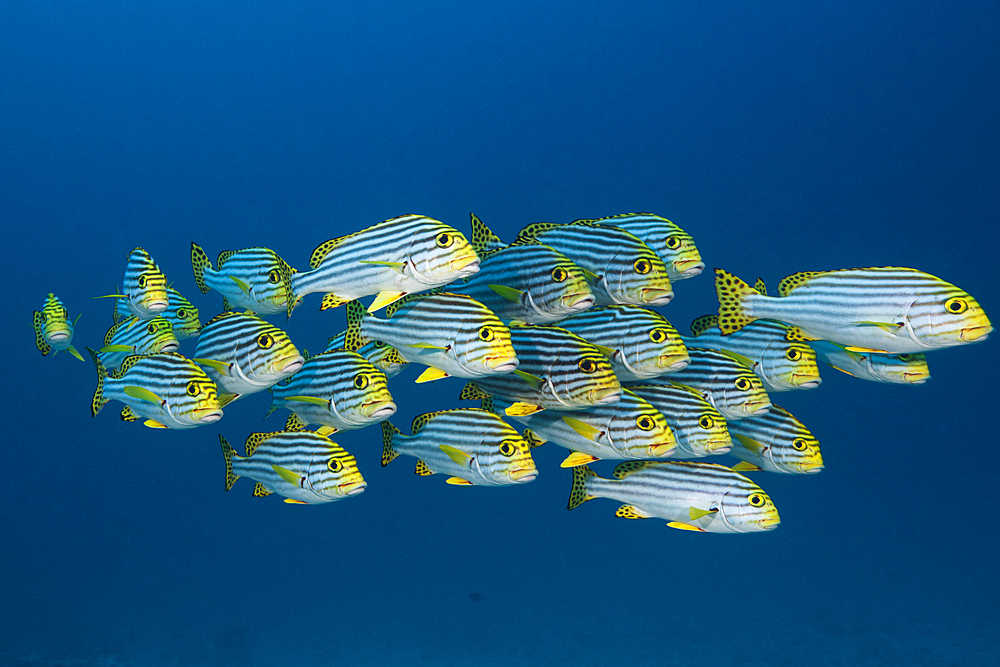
(702, 324)
(483, 238)
(788, 284)
(223, 257)
(623, 470)
(421, 420)
(323, 249)
(760, 286)
(254, 440)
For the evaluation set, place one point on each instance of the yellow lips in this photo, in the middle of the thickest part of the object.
(916, 378)
(579, 301)
(972, 334)
(466, 262)
(769, 522)
(524, 474)
(753, 407)
(666, 449)
(656, 296)
(689, 267)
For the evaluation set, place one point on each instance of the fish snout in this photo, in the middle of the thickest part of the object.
(606, 395)
(207, 415)
(671, 364)
(290, 364)
(689, 268)
(806, 381)
(523, 475)
(467, 264)
(502, 363)
(353, 488)
(974, 334)
(379, 409)
(915, 378)
(578, 302)
(656, 296)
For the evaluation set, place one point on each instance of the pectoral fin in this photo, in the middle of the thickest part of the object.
(322, 402)
(427, 346)
(533, 380)
(399, 266)
(431, 374)
(383, 299)
(750, 443)
(220, 367)
(287, 475)
(458, 481)
(746, 466)
(577, 459)
(456, 455)
(697, 513)
(583, 428)
(117, 348)
(509, 293)
(143, 394)
(242, 285)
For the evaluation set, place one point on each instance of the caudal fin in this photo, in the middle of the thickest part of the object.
(732, 293)
(578, 493)
(229, 453)
(99, 400)
(388, 433)
(200, 262)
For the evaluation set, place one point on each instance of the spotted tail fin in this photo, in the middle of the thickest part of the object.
(99, 399)
(200, 262)
(229, 453)
(732, 293)
(578, 493)
(388, 433)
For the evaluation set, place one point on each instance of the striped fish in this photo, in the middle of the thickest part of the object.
(628, 429)
(472, 446)
(133, 336)
(245, 354)
(777, 442)
(53, 330)
(704, 497)
(640, 343)
(411, 253)
(874, 366)
(526, 283)
(626, 270)
(700, 429)
(166, 390)
(558, 370)
(304, 467)
(180, 312)
(884, 309)
(727, 383)
(144, 289)
(338, 389)
(254, 279)
(778, 353)
(381, 355)
(451, 334)
(674, 246)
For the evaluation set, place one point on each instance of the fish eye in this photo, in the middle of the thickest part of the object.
(444, 239)
(192, 388)
(559, 274)
(141, 280)
(360, 381)
(380, 344)
(673, 243)
(799, 445)
(182, 313)
(642, 266)
(587, 365)
(743, 384)
(151, 327)
(793, 354)
(273, 276)
(335, 465)
(264, 341)
(645, 422)
(486, 334)
(657, 335)
(706, 422)
(956, 306)
(756, 499)
(507, 448)
(905, 357)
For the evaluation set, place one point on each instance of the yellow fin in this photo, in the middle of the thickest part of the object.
(885, 326)
(577, 459)
(583, 428)
(392, 265)
(741, 359)
(533, 380)
(431, 374)
(696, 513)
(631, 512)
(422, 469)
(221, 367)
(287, 475)
(260, 491)
(384, 299)
(326, 430)
(685, 526)
(152, 423)
(427, 346)
(746, 466)
(239, 283)
(522, 409)
(226, 399)
(456, 455)
(458, 481)
(852, 348)
(72, 350)
(293, 501)
(117, 348)
(750, 443)
(533, 439)
(143, 394)
(509, 293)
(322, 402)
(608, 352)
(331, 300)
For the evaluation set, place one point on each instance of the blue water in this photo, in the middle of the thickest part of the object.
(784, 136)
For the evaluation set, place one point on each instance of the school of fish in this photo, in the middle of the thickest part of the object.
(553, 331)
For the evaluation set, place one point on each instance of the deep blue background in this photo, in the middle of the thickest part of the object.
(784, 137)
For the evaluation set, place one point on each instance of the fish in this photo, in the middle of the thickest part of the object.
(528, 283)
(304, 467)
(472, 446)
(144, 289)
(778, 353)
(624, 269)
(909, 368)
(403, 255)
(338, 389)
(703, 497)
(776, 442)
(700, 429)
(557, 370)
(53, 330)
(167, 390)
(180, 312)
(640, 343)
(381, 355)
(885, 309)
(245, 354)
(628, 429)
(256, 279)
(451, 334)
(725, 380)
(131, 336)
(674, 246)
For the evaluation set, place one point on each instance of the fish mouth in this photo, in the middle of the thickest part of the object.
(353, 488)
(504, 364)
(58, 336)
(689, 268)
(468, 264)
(810, 468)
(671, 364)
(580, 301)
(666, 449)
(656, 296)
(290, 364)
(379, 409)
(155, 305)
(806, 381)
(718, 446)
(757, 407)
(769, 522)
(915, 378)
(606, 396)
(973, 334)
(207, 415)
(524, 475)
(170, 346)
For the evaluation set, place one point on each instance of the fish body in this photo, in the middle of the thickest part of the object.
(700, 429)
(144, 288)
(131, 336)
(643, 344)
(403, 255)
(886, 309)
(780, 355)
(53, 329)
(381, 355)
(245, 354)
(625, 269)
(303, 466)
(470, 445)
(674, 246)
(337, 389)
(167, 390)
(705, 497)
(776, 442)
(254, 279)
(451, 333)
(908, 368)
(557, 370)
(180, 312)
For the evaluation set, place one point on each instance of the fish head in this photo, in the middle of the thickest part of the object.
(706, 434)
(953, 317)
(899, 368)
(747, 508)
(56, 326)
(788, 365)
(513, 464)
(638, 279)
(483, 346)
(440, 254)
(199, 403)
(335, 474)
(556, 286)
(640, 431)
(741, 396)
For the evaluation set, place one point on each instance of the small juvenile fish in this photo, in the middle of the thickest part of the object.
(180, 312)
(131, 336)
(639, 343)
(704, 497)
(166, 389)
(700, 429)
(674, 246)
(304, 467)
(254, 279)
(403, 255)
(907, 368)
(244, 354)
(776, 442)
(144, 289)
(473, 446)
(881, 309)
(53, 330)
